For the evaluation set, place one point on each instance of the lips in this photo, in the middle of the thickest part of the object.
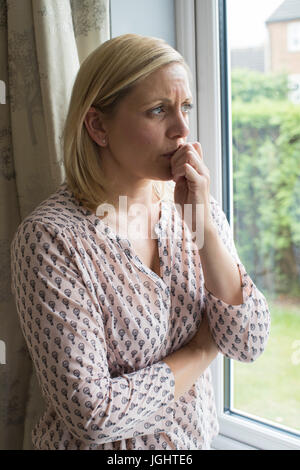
(170, 154)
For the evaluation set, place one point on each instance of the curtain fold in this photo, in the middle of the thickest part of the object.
(42, 44)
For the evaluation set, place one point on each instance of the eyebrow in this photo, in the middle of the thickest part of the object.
(166, 100)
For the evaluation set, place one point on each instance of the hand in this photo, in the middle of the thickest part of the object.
(192, 184)
(203, 340)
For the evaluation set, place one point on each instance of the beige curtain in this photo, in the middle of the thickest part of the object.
(42, 44)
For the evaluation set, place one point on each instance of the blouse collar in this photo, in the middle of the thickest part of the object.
(160, 228)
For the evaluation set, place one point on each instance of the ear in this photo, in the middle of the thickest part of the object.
(95, 126)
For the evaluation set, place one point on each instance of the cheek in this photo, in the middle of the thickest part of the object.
(147, 135)
(138, 133)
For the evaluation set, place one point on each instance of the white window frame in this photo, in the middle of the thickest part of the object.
(294, 84)
(293, 36)
(197, 34)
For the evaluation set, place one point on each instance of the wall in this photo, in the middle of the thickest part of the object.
(146, 17)
(281, 58)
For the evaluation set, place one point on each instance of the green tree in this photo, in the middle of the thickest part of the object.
(266, 172)
(249, 86)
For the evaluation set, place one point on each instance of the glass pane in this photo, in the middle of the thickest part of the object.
(264, 47)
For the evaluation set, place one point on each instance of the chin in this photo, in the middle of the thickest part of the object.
(164, 176)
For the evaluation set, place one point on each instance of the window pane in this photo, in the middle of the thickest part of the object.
(264, 47)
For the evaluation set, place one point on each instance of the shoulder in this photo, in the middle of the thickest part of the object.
(59, 217)
(217, 212)
(59, 212)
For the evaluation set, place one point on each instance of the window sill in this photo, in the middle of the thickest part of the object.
(224, 443)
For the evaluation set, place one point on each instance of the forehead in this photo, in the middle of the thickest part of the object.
(166, 82)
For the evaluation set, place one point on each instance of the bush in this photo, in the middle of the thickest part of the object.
(266, 172)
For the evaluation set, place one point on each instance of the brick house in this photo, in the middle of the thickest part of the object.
(284, 43)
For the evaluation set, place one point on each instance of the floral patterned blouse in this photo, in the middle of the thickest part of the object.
(98, 324)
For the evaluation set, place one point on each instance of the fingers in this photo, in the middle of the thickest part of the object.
(194, 147)
(197, 146)
(192, 154)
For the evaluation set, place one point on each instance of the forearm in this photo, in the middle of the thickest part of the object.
(238, 313)
(187, 364)
(221, 274)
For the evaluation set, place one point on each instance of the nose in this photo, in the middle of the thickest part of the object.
(178, 126)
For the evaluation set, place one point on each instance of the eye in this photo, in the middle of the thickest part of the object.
(160, 109)
(188, 107)
(156, 109)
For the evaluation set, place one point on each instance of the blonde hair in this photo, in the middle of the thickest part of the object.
(104, 78)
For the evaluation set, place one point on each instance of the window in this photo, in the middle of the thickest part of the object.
(250, 397)
(266, 195)
(293, 36)
(294, 87)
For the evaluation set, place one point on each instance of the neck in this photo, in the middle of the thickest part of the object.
(131, 214)
(133, 201)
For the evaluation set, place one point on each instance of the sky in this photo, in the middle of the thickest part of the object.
(246, 19)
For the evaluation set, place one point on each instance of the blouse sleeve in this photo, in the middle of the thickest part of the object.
(240, 331)
(62, 324)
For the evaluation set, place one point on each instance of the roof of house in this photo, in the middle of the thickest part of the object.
(252, 58)
(288, 10)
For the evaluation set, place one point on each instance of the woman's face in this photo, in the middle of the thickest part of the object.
(152, 120)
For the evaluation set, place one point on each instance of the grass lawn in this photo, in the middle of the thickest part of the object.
(270, 387)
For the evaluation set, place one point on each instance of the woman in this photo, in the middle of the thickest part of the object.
(124, 297)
